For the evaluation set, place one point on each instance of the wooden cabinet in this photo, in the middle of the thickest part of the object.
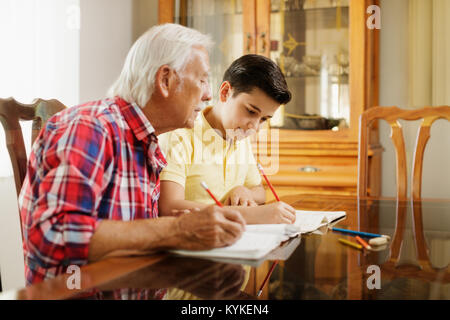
(330, 60)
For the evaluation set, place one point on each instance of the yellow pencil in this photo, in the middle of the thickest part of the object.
(350, 243)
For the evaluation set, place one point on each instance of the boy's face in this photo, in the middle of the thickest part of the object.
(244, 114)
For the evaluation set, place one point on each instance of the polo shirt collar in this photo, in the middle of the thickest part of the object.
(206, 127)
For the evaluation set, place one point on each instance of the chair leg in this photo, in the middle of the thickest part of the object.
(419, 237)
(398, 234)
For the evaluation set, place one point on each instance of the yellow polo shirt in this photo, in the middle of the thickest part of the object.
(201, 154)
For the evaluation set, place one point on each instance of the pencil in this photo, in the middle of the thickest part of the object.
(350, 243)
(205, 186)
(363, 243)
(360, 233)
(274, 264)
(267, 277)
(267, 181)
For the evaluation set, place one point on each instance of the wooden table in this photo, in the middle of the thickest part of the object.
(414, 266)
(322, 268)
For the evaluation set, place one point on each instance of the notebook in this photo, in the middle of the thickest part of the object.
(305, 222)
(251, 246)
(282, 253)
(258, 240)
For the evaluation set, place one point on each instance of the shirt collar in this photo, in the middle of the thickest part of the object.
(136, 119)
(144, 131)
(206, 126)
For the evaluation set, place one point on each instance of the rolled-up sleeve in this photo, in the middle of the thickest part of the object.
(73, 174)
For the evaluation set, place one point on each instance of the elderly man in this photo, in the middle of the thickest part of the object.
(92, 185)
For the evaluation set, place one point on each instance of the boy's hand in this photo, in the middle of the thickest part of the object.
(276, 212)
(240, 196)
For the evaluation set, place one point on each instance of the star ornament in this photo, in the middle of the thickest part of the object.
(291, 44)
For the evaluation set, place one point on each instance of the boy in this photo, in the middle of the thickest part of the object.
(217, 149)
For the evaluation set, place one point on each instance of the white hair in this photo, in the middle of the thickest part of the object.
(166, 44)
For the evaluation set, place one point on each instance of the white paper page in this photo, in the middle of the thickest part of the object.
(309, 221)
(305, 221)
(249, 246)
(288, 230)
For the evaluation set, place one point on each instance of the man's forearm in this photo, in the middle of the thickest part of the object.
(132, 237)
(166, 210)
(209, 228)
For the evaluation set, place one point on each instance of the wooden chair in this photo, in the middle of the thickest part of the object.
(11, 112)
(392, 115)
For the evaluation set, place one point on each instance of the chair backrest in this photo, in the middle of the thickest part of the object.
(392, 115)
(11, 112)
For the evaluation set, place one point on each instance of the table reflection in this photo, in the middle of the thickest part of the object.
(415, 264)
(203, 279)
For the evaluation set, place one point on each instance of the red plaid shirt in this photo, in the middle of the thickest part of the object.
(100, 160)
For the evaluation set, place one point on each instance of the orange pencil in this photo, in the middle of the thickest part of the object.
(278, 199)
(267, 277)
(363, 243)
(268, 182)
(205, 186)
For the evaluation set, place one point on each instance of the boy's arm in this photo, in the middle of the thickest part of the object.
(259, 194)
(172, 202)
(246, 196)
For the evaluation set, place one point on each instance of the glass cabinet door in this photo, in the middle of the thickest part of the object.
(309, 40)
(223, 20)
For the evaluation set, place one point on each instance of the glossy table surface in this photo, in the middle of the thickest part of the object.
(414, 265)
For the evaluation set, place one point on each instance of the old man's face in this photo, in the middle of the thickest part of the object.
(193, 89)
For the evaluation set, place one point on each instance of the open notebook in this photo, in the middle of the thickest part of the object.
(305, 222)
(282, 253)
(260, 239)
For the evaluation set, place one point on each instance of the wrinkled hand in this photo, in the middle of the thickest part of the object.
(212, 227)
(240, 196)
(277, 212)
